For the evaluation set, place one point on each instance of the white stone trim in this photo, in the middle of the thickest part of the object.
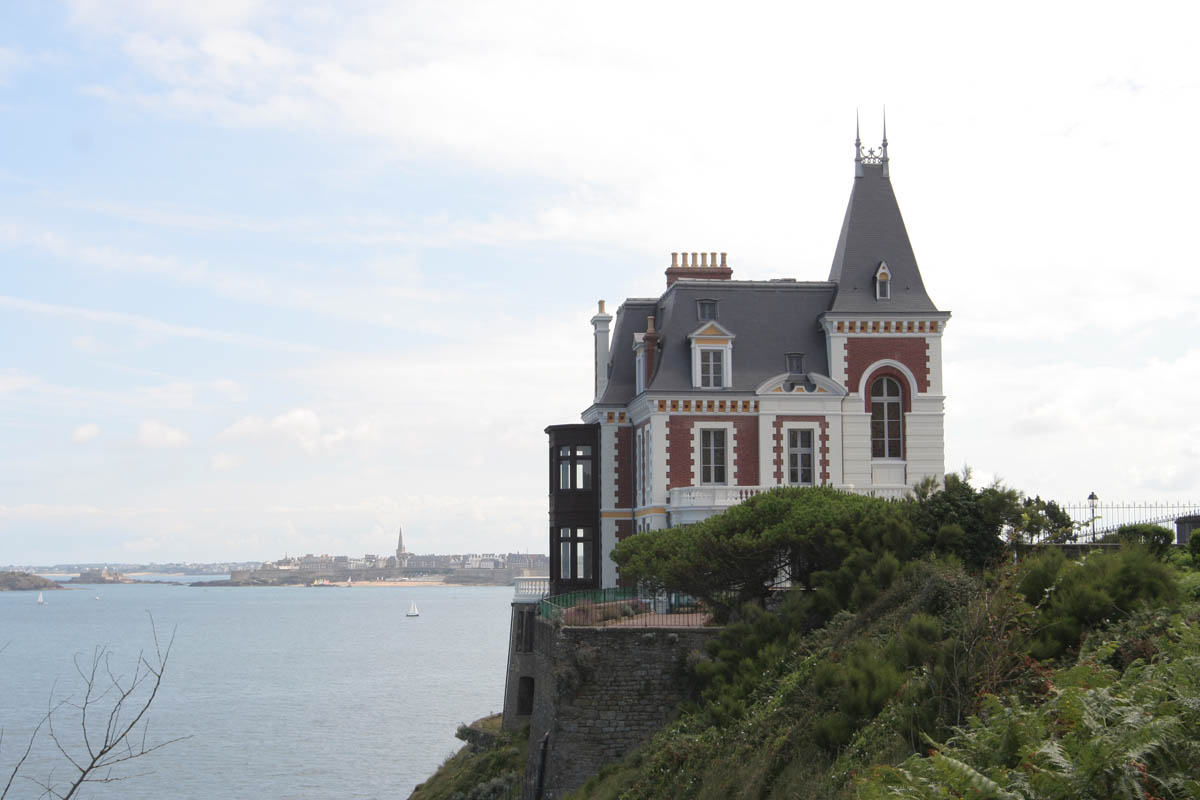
(886, 362)
(658, 460)
(730, 451)
(799, 425)
(726, 365)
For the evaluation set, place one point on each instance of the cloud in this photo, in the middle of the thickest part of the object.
(153, 433)
(223, 462)
(299, 425)
(85, 433)
(14, 381)
(153, 326)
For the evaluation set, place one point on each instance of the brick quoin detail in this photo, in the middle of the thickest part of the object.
(911, 352)
(682, 467)
(822, 436)
(622, 467)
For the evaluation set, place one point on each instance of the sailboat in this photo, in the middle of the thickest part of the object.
(42, 600)
(412, 610)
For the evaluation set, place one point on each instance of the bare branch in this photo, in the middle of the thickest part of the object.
(121, 702)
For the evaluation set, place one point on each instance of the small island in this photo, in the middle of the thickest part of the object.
(25, 582)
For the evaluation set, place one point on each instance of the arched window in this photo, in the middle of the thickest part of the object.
(886, 419)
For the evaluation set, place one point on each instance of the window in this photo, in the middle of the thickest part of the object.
(795, 362)
(575, 554)
(639, 372)
(706, 309)
(800, 457)
(883, 282)
(712, 456)
(712, 368)
(575, 467)
(886, 419)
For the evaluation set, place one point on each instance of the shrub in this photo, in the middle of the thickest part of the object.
(1156, 538)
(1100, 589)
(1039, 573)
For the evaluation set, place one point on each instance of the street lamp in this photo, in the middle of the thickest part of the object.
(1092, 499)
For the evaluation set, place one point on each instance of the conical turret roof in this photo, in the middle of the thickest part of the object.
(873, 232)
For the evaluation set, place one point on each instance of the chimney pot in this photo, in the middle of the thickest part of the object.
(674, 259)
(704, 260)
(722, 260)
(601, 311)
(695, 259)
(650, 324)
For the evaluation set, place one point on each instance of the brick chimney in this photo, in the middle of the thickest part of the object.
(699, 265)
(650, 342)
(600, 333)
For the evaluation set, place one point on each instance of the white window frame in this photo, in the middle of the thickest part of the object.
(726, 351)
(816, 452)
(698, 454)
(639, 372)
(886, 401)
(883, 282)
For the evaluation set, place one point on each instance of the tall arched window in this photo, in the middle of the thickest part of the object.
(886, 419)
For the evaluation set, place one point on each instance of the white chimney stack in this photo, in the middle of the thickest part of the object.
(600, 329)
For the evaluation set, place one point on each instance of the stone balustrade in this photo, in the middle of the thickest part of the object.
(530, 590)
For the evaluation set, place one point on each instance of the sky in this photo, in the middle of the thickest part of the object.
(280, 277)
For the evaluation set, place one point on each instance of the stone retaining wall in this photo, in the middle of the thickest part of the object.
(598, 694)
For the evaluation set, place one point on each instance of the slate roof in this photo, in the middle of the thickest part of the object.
(772, 318)
(767, 318)
(874, 231)
(630, 319)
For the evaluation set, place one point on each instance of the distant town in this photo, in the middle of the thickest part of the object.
(478, 568)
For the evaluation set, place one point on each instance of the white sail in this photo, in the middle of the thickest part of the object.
(412, 611)
(41, 600)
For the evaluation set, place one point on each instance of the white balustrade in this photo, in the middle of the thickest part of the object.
(687, 497)
(530, 590)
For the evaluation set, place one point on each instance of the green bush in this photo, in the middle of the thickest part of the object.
(1038, 574)
(1156, 538)
(1101, 589)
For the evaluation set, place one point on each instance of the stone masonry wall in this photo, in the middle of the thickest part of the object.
(599, 693)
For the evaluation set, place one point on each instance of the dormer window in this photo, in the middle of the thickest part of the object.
(712, 356)
(639, 372)
(795, 363)
(883, 282)
(712, 368)
(706, 309)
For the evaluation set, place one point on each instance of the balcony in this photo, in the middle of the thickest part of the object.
(530, 590)
(689, 504)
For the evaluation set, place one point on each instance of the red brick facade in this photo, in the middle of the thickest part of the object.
(623, 468)
(912, 352)
(823, 441)
(681, 466)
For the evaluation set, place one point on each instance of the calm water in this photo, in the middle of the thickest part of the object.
(286, 692)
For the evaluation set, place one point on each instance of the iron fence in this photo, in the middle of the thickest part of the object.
(1095, 522)
(626, 607)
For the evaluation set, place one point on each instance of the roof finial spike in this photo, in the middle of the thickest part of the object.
(857, 147)
(883, 148)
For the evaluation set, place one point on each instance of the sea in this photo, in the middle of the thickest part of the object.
(281, 692)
